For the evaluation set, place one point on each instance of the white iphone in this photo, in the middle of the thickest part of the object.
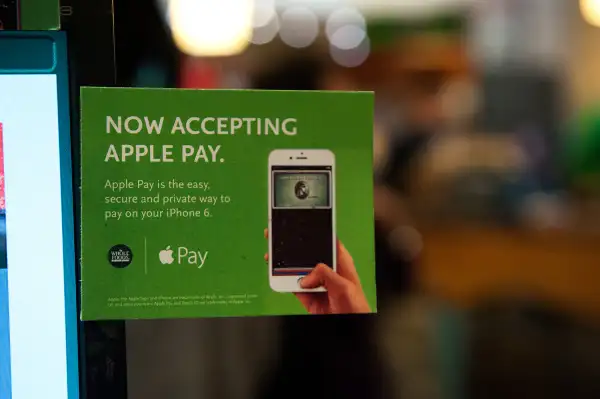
(301, 216)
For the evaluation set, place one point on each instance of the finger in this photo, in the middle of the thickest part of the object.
(266, 232)
(345, 264)
(323, 276)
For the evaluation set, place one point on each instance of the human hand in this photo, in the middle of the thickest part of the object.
(344, 292)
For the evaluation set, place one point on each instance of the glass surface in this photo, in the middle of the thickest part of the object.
(486, 249)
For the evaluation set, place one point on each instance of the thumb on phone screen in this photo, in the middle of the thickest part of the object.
(324, 276)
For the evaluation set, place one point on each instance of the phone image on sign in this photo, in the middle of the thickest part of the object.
(301, 216)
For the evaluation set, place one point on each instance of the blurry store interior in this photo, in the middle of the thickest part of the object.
(487, 196)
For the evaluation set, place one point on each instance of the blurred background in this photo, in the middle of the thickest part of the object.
(487, 168)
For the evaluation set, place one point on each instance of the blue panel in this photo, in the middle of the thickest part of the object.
(71, 315)
(20, 50)
(4, 336)
(40, 53)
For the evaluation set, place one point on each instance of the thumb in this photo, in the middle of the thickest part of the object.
(323, 276)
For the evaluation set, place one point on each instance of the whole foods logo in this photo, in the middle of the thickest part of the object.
(120, 256)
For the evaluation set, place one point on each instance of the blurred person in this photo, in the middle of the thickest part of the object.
(415, 124)
(421, 117)
(337, 355)
(337, 78)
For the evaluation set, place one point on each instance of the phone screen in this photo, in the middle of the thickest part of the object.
(301, 219)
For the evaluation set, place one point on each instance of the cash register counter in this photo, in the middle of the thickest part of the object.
(469, 265)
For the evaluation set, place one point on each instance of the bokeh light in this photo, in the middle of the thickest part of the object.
(348, 37)
(343, 17)
(264, 12)
(266, 33)
(203, 28)
(590, 9)
(299, 27)
(353, 57)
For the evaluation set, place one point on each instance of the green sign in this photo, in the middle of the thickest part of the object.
(384, 32)
(199, 203)
(582, 150)
(40, 14)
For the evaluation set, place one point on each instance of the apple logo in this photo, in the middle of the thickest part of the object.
(166, 256)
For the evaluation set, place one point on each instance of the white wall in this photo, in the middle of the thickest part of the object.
(532, 33)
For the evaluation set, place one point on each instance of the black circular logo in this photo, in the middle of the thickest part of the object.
(301, 189)
(120, 256)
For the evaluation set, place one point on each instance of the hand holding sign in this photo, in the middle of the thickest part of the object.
(344, 292)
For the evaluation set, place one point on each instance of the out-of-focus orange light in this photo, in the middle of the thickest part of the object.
(590, 10)
(211, 28)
